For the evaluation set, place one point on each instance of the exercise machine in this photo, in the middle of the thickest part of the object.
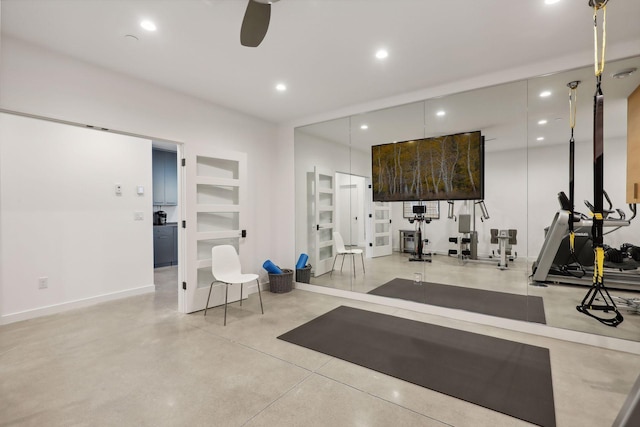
(419, 218)
(468, 242)
(467, 248)
(505, 239)
(558, 263)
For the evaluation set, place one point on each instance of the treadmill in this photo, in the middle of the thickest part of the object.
(556, 264)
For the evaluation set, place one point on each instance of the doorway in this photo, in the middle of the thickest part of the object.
(167, 200)
(166, 204)
(350, 213)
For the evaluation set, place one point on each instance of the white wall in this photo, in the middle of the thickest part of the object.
(61, 218)
(41, 82)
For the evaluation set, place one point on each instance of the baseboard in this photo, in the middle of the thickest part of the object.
(253, 289)
(70, 305)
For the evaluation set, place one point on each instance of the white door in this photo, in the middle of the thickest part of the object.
(381, 229)
(324, 185)
(356, 216)
(216, 196)
(347, 208)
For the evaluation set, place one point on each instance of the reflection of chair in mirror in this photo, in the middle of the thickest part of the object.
(505, 239)
(225, 266)
(342, 250)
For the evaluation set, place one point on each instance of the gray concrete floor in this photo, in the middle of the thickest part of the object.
(138, 362)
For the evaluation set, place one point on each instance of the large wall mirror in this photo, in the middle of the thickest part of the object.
(476, 255)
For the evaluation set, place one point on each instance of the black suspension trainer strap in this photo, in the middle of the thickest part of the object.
(598, 289)
(572, 155)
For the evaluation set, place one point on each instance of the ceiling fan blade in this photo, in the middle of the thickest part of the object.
(255, 23)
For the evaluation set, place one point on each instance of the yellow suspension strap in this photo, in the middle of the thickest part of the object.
(573, 86)
(598, 265)
(598, 290)
(599, 61)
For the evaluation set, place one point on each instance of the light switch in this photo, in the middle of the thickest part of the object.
(138, 216)
(140, 190)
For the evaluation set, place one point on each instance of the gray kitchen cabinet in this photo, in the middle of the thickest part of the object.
(165, 178)
(165, 245)
(174, 260)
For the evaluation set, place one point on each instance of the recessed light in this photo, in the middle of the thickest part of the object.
(440, 113)
(281, 87)
(542, 122)
(540, 138)
(623, 73)
(545, 93)
(381, 54)
(551, 1)
(148, 25)
(364, 127)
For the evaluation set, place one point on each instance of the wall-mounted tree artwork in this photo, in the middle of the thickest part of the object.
(449, 167)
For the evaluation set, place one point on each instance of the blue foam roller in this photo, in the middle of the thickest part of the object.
(271, 267)
(302, 261)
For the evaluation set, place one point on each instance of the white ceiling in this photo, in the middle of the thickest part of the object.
(322, 49)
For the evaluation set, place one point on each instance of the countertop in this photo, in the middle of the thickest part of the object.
(168, 224)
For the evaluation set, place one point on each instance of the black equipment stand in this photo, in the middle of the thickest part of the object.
(418, 216)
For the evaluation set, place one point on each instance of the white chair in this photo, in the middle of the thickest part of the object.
(342, 250)
(225, 266)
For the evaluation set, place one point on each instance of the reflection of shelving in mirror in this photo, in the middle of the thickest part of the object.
(432, 209)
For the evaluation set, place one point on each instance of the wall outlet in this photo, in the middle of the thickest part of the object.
(138, 216)
(43, 282)
(118, 190)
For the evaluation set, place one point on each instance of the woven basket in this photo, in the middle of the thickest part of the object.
(281, 283)
(303, 275)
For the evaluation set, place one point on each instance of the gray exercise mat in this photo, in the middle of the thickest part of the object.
(505, 376)
(500, 304)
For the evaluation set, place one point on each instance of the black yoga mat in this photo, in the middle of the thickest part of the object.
(500, 304)
(501, 375)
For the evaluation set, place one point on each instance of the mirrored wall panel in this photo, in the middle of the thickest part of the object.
(450, 201)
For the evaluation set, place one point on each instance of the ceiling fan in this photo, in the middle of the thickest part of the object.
(256, 22)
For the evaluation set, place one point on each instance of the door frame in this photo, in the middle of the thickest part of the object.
(193, 297)
(182, 214)
(360, 187)
(322, 265)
